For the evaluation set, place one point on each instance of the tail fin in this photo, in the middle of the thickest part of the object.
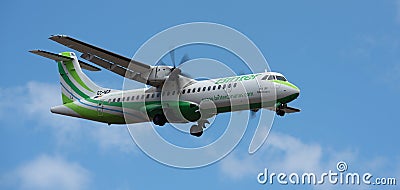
(74, 83)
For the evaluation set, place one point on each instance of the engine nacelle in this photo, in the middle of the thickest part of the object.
(160, 72)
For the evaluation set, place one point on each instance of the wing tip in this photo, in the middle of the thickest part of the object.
(57, 36)
(37, 51)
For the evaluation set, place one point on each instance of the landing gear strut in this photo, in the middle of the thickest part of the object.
(279, 110)
(197, 130)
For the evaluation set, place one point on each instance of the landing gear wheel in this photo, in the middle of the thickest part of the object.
(159, 119)
(280, 112)
(196, 130)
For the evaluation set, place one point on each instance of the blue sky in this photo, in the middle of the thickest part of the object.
(343, 55)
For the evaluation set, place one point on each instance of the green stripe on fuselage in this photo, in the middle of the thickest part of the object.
(65, 99)
(286, 83)
(94, 114)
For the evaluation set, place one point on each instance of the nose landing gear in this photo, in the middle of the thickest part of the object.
(280, 110)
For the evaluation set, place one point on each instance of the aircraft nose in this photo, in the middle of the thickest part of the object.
(291, 92)
(296, 91)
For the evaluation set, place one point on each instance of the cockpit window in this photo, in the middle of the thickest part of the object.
(271, 77)
(281, 78)
(265, 77)
(268, 77)
(274, 77)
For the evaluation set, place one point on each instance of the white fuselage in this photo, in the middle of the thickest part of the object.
(224, 94)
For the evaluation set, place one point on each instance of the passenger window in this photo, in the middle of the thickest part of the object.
(114, 99)
(183, 91)
(109, 100)
(204, 89)
(188, 91)
(127, 98)
(152, 95)
(193, 90)
(168, 93)
(158, 95)
(209, 88)
(198, 90)
(223, 87)
(123, 99)
(148, 96)
(229, 85)
(119, 99)
(234, 85)
(142, 96)
(137, 97)
(173, 92)
(214, 87)
(219, 87)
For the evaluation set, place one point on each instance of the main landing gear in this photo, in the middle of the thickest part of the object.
(159, 119)
(197, 130)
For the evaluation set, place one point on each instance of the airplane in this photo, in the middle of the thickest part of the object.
(171, 96)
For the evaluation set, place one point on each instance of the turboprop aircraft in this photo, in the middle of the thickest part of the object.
(172, 96)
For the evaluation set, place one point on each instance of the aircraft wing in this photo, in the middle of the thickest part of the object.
(111, 61)
(119, 64)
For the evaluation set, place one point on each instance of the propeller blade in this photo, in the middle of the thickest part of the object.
(184, 59)
(253, 113)
(172, 54)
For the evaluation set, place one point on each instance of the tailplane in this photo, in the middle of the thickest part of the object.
(74, 83)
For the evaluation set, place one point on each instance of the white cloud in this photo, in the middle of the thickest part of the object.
(47, 172)
(114, 137)
(281, 153)
(285, 153)
(40, 97)
(33, 101)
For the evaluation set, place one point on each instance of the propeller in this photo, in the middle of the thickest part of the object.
(184, 58)
(253, 113)
(172, 54)
(175, 70)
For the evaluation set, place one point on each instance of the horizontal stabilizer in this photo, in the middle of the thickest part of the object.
(50, 55)
(57, 57)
